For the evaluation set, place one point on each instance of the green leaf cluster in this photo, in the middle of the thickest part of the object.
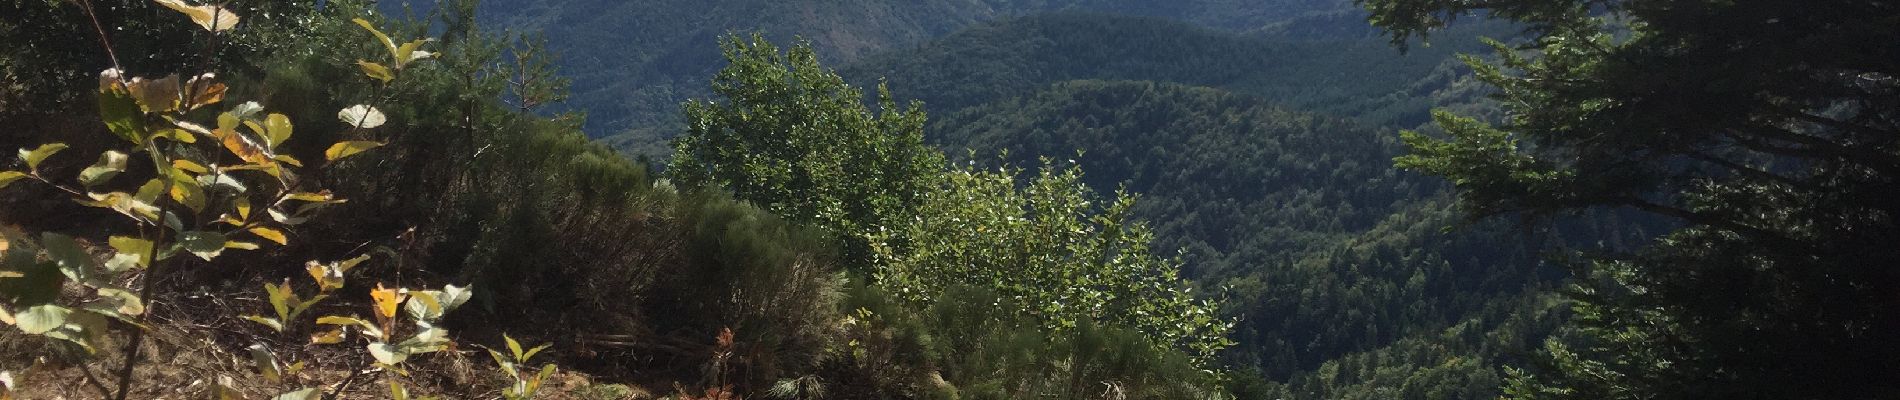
(793, 138)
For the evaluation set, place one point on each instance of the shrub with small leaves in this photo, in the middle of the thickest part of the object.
(196, 178)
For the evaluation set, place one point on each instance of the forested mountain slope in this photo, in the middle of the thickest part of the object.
(1358, 76)
(1229, 177)
(633, 62)
(1324, 248)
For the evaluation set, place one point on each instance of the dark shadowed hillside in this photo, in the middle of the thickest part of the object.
(1326, 250)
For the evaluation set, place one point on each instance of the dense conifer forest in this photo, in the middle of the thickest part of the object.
(949, 199)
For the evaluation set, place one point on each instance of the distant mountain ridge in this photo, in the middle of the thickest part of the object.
(633, 62)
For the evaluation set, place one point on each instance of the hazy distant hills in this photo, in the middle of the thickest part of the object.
(633, 62)
(1360, 77)
(1259, 133)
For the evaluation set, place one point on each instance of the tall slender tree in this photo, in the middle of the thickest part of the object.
(1767, 128)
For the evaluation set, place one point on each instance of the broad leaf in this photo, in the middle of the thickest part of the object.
(7, 177)
(368, 328)
(301, 394)
(281, 297)
(122, 115)
(271, 235)
(266, 363)
(73, 259)
(332, 336)
(453, 296)
(140, 248)
(397, 392)
(362, 116)
(273, 323)
(513, 347)
(536, 350)
(377, 71)
(211, 18)
(346, 149)
(387, 354)
(205, 245)
(124, 203)
(386, 301)
(380, 37)
(247, 110)
(40, 319)
(318, 197)
(277, 130)
(40, 154)
(423, 305)
(155, 95)
(189, 166)
(239, 144)
(124, 301)
(186, 190)
(203, 92)
(110, 164)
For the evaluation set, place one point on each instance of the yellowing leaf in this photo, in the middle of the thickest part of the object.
(386, 301)
(7, 177)
(189, 166)
(362, 116)
(332, 336)
(345, 149)
(189, 126)
(423, 305)
(377, 71)
(186, 190)
(211, 18)
(179, 135)
(318, 197)
(124, 204)
(271, 235)
(137, 247)
(242, 145)
(514, 347)
(409, 52)
(344, 321)
(243, 207)
(241, 245)
(266, 363)
(150, 191)
(277, 129)
(203, 91)
(346, 265)
(380, 37)
(397, 392)
(327, 276)
(287, 159)
(273, 323)
(40, 154)
(156, 95)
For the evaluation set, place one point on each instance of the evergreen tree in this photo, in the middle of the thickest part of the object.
(1767, 128)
